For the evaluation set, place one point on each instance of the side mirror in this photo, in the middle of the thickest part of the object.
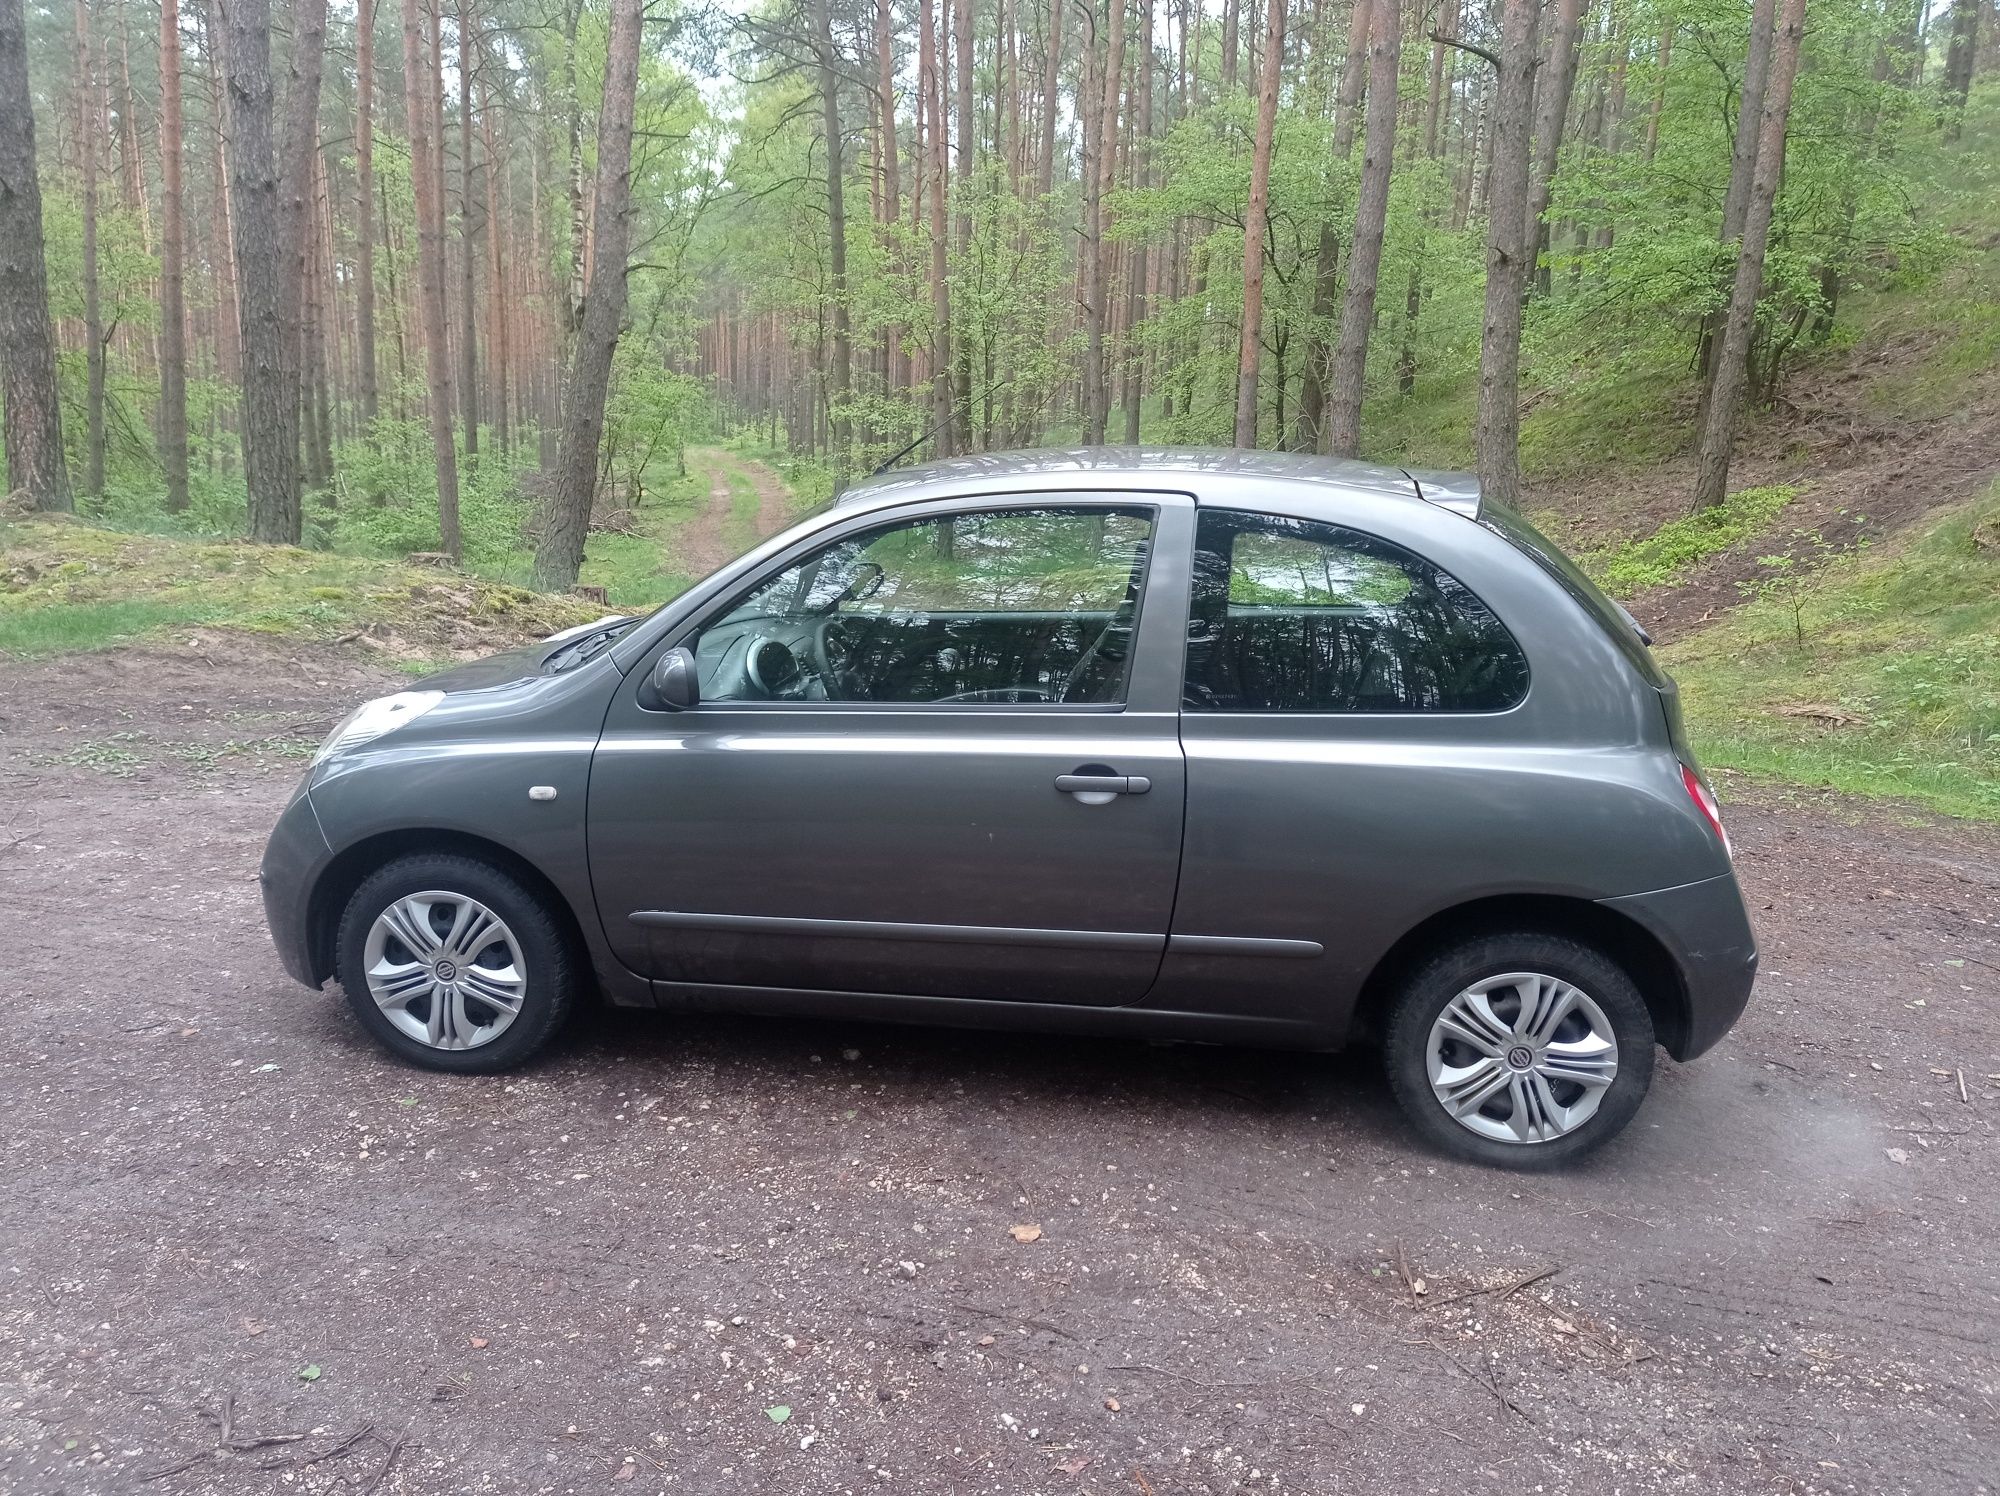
(676, 680)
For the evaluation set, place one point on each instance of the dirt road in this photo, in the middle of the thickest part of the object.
(746, 501)
(246, 1252)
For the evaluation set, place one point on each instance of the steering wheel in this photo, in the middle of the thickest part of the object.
(836, 664)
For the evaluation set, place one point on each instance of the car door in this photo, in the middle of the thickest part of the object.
(936, 754)
(1341, 695)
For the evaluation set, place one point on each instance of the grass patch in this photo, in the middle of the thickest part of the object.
(1896, 690)
(33, 631)
(1672, 551)
(65, 586)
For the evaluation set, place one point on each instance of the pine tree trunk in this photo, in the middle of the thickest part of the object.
(1250, 343)
(896, 374)
(1960, 62)
(364, 209)
(1089, 251)
(468, 248)
(1326, 261)
(836, 223)
(498, 342)
(1364, 263)
(228, 298)
(1718, 435)
(1510, 243)
(1553, 87)
(270, 366)
(566, 521)
(932, 88)
(573, 309)
(1137, 290)
(90, 127)
(1742, 172)
(430, 273)
(298, 174)
(1051, 81)
(962, 232)
(33, 419)
(173, 294)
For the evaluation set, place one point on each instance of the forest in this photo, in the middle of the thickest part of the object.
(467, 280)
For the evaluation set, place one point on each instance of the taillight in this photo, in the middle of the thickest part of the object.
(1705, 803)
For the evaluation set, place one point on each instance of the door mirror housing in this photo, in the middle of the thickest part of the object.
(676, 681)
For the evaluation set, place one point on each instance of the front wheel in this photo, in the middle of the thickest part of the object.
(1521, 1050)
(453, 965)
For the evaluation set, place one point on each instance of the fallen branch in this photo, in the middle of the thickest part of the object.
(1506, 1291)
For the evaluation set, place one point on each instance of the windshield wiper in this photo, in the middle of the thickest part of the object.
(582, 645)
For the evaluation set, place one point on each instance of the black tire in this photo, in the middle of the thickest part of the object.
(552, 971)
(1436, 982)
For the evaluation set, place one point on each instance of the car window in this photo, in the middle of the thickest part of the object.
(1292, 615)
(995, 606)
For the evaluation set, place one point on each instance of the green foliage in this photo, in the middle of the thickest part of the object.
(1673, 550)
(1792, 578)
(1897, 690)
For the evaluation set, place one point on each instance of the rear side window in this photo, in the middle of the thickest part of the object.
(1291, 615)
(1614, 620)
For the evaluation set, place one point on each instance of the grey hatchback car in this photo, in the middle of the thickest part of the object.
(1224, 747)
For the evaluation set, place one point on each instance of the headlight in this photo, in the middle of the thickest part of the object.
(373, 718)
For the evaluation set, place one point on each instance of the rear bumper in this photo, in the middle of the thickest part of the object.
(1706, 929)
(293, 859)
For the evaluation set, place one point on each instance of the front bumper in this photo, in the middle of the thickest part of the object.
(1706, 929)
(293, 860)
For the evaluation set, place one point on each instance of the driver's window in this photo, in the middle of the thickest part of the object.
(1003, 605)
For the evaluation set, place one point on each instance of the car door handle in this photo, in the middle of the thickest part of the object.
(1103, 784)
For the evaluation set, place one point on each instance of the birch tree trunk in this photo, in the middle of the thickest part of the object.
(1250, 341)
(33, 421)
(566, 520)
(1732, 364)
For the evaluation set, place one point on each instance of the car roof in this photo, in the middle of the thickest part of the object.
(1226, 472)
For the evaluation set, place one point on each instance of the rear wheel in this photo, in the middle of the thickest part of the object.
(1522, 1050)
(454, 965)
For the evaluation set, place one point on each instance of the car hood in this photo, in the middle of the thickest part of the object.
(509, 667)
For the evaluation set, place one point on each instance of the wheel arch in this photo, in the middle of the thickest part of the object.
(1637, 950)
(353, 864)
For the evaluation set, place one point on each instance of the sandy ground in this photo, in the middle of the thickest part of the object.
(245, 1251)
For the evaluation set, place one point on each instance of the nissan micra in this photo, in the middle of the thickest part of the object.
(1226, 747)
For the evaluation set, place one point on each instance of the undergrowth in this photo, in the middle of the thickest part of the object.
(1895, 689)
(1672, 551)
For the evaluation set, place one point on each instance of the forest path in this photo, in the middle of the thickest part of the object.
(746, 502)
